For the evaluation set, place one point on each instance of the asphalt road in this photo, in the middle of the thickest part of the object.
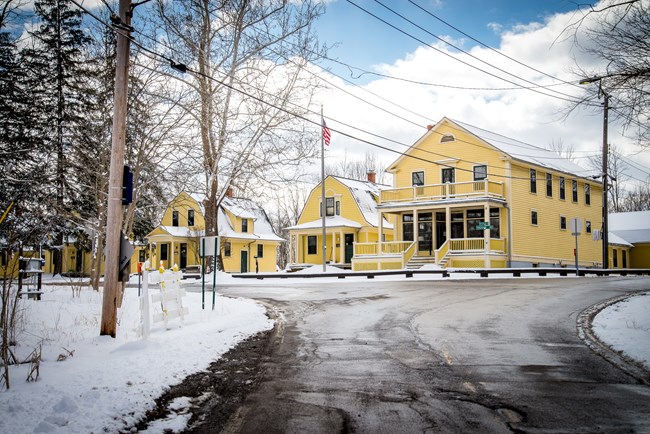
(441, 356)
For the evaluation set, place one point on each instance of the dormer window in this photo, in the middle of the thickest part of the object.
(244, 225)
(174, 218)
(190, 217)
(447, 138)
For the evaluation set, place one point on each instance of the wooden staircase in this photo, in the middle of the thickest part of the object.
(417, 262)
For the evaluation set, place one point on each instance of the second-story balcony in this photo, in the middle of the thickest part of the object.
(456, 190)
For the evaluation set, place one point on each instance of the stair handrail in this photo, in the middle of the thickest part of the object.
(442, 251)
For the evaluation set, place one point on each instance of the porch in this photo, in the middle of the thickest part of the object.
(454, 190)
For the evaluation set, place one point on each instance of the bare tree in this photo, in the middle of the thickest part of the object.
(565, 150)
(616, 170)
(618, 37)
(638, 199)
(357, 168)
(244, 95)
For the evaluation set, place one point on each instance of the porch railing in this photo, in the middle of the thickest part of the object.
(484, 188)
(387, 248)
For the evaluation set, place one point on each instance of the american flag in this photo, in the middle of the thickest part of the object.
(326, 133)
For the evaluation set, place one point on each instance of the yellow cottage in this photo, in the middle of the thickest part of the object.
(350, 217)
(248, 242)
(629, 239)
(466, 197)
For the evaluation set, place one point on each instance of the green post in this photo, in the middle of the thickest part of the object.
(203, 274)
(214, 269)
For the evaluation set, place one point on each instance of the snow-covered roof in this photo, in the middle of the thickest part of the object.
(245, 208)
(612, 238)
(180, 231)
(365, 193)
(633, 227)
(330, 222)
(527, 152)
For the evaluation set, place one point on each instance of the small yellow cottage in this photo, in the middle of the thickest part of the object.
(629, 239)
(350, 217)
(248, 242)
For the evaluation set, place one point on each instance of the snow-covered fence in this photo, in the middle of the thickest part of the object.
(170, 297)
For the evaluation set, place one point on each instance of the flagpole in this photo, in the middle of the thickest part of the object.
(322, 175)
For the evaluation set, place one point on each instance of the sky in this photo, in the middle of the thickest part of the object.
(530, 32)
(74, 396)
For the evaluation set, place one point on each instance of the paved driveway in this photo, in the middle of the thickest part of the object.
(441, 356)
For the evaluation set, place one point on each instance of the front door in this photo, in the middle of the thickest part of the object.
(425, 234)
(79, 261)
(183, 256)
(441, 234)
(349, 247)
(244, 261)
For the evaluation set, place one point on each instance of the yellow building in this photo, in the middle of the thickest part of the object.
(467, 197)
(629, 239)
(247, 240)
(350, 217)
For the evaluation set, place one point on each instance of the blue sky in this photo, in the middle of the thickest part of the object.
(362, 40)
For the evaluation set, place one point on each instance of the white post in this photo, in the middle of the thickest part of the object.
(144, 302)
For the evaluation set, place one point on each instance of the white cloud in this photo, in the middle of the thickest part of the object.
(495, 27)
(526, 115)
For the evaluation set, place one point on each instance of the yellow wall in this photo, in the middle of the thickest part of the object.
(333, 187)
(182, 203)
(640, 255)
(232, 263)
(546, 241)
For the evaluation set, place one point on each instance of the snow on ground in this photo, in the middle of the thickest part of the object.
(625, 326)
(110, 383)
(107, 381)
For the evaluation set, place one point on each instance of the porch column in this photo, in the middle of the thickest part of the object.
(171, 263)
(448, 224)
(381, 230)
(416, 231)
(486, 236)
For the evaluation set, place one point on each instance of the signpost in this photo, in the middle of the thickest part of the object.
(575, 224)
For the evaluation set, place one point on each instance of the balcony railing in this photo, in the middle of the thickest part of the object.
(484, 188)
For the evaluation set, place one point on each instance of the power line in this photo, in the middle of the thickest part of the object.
(571, 99)
(184, 68)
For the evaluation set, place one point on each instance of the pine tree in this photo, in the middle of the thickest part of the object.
(58, 77)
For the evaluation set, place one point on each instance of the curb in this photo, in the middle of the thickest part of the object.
(585, 331)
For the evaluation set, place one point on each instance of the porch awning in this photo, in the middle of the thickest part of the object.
(330, 222)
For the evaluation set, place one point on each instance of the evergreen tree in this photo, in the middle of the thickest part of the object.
(56, 65)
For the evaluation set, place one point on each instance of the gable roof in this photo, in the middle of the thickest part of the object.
(365, 193)
(245, 208)
(633, 227)
(515, 149)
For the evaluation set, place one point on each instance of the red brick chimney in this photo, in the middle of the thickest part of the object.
(229, 192)
(372, 176)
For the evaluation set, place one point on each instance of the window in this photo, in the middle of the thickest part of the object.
(624, 257)
(338, 207)
(562, 192)
(549, 185)
(495, 232)
(533, 217)
(588, 194)
(244, 225)
(311, 245)
(474, 217)
(417, 178)
(407, 227)
(563, 222)
(174, 218)
(533, 181)
(588, 226)
(141, 256)
(190, 217)
(3, 259)
(448, 175)
(329, 206)
(574, 189)
(615, 257)
(260, 250)
(480, 173)
(163, 252)
(226, 249)
(447, 138)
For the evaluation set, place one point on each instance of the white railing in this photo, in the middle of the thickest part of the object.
(484, 188)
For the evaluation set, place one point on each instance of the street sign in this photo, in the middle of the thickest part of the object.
(481, 226)
(209, 246)
(575, 225)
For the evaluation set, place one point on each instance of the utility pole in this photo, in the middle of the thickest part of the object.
(114, 217)
(605, 235)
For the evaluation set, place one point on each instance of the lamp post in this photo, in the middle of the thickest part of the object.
(605, 164)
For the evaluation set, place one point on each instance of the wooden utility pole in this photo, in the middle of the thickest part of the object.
(114, 216)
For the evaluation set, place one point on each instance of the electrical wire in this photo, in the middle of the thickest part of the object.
(184, 68)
